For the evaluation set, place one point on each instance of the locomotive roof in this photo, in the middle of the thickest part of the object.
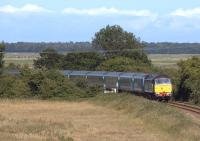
(154, 76)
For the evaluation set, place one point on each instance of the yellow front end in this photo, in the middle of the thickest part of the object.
(163, 89)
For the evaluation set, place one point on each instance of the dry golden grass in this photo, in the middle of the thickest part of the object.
(168, 122)
(22, 120)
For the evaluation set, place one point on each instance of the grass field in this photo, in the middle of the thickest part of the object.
(20, 58)
(66, 121)
(160, 60)
(169, 60)
(105, 118)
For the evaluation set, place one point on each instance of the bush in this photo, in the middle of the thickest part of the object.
(52, 84)
(12, 66)
(189, 85)
(82, 61)
(91, 91)
(2, 49)
(50, 59)
(137, 55)
(124, 64)
(94, 90)
(43, 84)
(59, 89)
(13, 87)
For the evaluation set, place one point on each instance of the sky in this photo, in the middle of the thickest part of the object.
(79, 20)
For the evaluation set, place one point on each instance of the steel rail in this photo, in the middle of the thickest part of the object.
(185, 106)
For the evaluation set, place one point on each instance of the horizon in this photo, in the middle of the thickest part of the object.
(78, 21)
(46, 42)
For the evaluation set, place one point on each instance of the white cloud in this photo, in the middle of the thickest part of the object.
(108, 11)
(184, 19)
(32, 8)
(195, 12)
(134, 19)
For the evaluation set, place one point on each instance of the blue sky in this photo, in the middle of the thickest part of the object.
(78, 20)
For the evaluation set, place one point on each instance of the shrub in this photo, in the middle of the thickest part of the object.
(2, 49)
(124, 64)
(49, 58)
(82, 61)
(90, 91)
(137, 55)
(43, 84)
(52, 84)
(59, 89)
(12, 87)
(189, 85)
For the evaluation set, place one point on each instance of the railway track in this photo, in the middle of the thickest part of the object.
(187, 107)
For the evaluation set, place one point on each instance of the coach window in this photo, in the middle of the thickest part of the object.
(148, 86)
(138, 84)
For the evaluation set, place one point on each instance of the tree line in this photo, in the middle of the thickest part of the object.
(149, 48)
(2, 49)
(39, 47)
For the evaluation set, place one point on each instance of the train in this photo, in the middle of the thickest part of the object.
(152, 86)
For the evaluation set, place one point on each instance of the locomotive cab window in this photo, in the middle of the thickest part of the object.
(162, 81)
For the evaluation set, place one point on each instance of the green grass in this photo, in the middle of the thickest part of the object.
(20, 58)
(169, 60)
(159, 60)
(19, 62)
(154, 116)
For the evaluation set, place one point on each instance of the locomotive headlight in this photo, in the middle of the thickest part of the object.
(169, 94)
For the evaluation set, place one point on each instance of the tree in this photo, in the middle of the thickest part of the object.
(117, 42)
(115, 38)
(189, 81)
(49, 58)
(82, 61)
(123, 64)
(2, 49)
(137, 56)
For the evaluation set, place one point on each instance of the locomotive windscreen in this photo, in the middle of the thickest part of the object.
(163, 81)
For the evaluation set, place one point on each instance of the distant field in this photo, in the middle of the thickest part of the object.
(20, 58)
(160, 60)
(169, 60)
